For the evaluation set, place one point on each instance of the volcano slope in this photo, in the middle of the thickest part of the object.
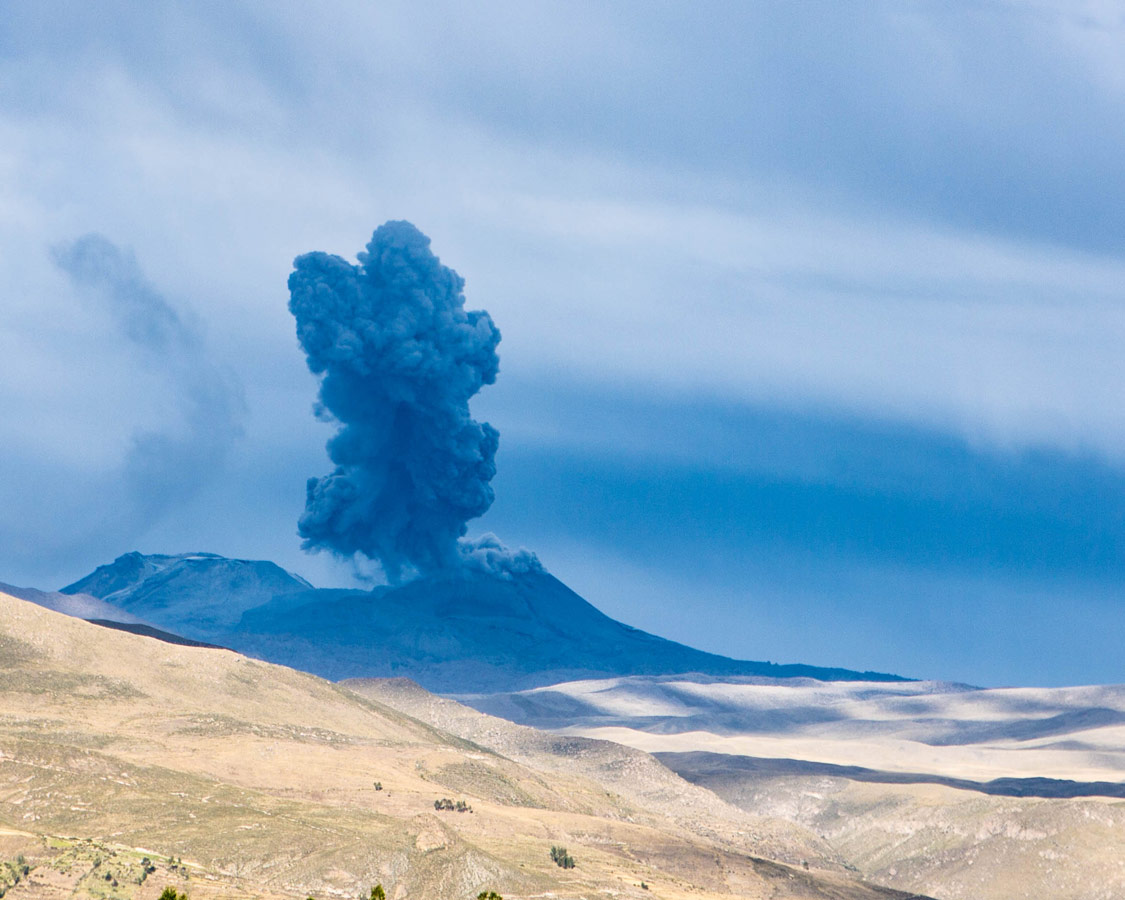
(463, 630)
(123, 757)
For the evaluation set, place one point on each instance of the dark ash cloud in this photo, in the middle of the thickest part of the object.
(400, 358)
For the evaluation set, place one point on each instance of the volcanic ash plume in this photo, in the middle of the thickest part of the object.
(400, 357)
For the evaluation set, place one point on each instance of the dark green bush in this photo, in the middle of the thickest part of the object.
(561, 858)
(447, 804)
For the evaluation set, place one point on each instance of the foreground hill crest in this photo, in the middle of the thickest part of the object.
(260, 781)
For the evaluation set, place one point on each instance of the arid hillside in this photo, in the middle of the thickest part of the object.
(951, 791)
(128, 764)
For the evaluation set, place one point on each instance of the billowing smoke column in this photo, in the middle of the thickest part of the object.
(400, 358)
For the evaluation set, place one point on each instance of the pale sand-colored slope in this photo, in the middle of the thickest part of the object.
(909, 727)
(262, 778)
(633, 775)
(937, 840)
(952, 844)
(889, 755)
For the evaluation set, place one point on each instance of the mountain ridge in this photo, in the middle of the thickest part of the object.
(77, 604)
(220, 588)
(460, 632)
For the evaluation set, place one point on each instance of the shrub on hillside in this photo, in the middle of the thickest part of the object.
(446, 804)
(562, 859)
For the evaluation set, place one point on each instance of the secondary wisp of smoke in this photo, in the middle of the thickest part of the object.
(163, 467)
(400, 358)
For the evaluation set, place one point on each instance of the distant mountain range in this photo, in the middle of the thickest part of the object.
(459, 633)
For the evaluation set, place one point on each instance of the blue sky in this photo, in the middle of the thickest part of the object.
(814, 339)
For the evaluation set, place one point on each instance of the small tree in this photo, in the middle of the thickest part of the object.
(170, 894)
(562, 859)
(489, 895)
(377, 893)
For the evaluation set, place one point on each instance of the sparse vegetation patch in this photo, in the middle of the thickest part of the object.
(14, 652)
(445, 804)
(561, 858)
(68, 684)
(12, 873)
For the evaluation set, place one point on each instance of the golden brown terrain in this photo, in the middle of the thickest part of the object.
(953, 844)
(236, 778)
(931, 810)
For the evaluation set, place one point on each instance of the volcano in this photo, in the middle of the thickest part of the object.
(462, 632)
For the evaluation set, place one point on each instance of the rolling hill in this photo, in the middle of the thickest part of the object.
(957, 792)
(129, 764)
